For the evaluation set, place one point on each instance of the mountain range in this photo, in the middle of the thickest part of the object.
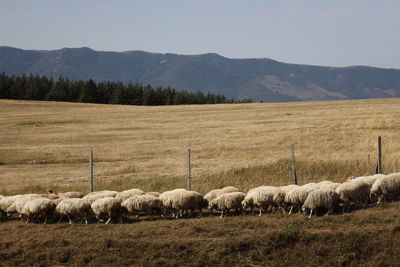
(259, 79)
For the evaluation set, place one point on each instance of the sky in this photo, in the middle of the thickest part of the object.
(329, 33)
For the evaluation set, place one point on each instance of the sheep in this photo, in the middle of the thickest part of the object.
(147, 204)
(73, 194)
(21, 201)
(279, 196)
(38, 207)
(227, 202)
(356, 192)
(386, 187)
(279, 199)
(369, 180)
(262, 198)
(107, 206)
(154, 194)
(320, 199)
(73, 207)
(165, 196)
(248, 201)
(6, 203)
(297, 196)
(217, 192)
(124, 195)
(14, 204)
(180, 202)
(92, 197)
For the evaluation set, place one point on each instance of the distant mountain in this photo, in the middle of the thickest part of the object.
(260, 79)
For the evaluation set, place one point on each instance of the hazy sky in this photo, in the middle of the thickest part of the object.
(333, 33)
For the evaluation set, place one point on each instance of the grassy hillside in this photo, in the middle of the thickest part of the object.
(45, 144)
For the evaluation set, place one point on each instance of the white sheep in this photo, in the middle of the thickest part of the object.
(320, 199)
(181, 202)
(295, 198)
(147, 204)
(356, 192)
(248, 201)
(6, 203)
(39, 207)
(263, 198)
(217, 192)
(20, 203)
(92, 197)
(227, 202)
(124, 195)
(107, 207)
(279, 196)
(369, 180)
(165, 196)
(14, 204)
(73, 208)
(386, 187)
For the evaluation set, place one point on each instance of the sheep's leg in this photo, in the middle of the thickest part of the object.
(27, 219)
(283, 210)
(329, 212)
(45, 220)
(109, 220)
(69, 218)
(222, 213)
(86, 219)
(311, 211)
(260, 211)
(291, 209)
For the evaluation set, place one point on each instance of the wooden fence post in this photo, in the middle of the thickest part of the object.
(293, 165)
(379, 160)
(90, 177)
(189, 181)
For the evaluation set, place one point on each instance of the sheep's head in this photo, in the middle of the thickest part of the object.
(374, 195)
(212, 205)
(247, 202)
(304, 209)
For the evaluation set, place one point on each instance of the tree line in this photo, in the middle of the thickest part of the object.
(34, 87)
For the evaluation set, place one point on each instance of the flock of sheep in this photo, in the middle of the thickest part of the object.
(312, 198)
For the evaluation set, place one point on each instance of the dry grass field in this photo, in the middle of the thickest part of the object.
(368, 237)
(45, 145)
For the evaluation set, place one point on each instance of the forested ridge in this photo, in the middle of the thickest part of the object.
(34, 87)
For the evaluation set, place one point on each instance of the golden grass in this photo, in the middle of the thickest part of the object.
(45, 144)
